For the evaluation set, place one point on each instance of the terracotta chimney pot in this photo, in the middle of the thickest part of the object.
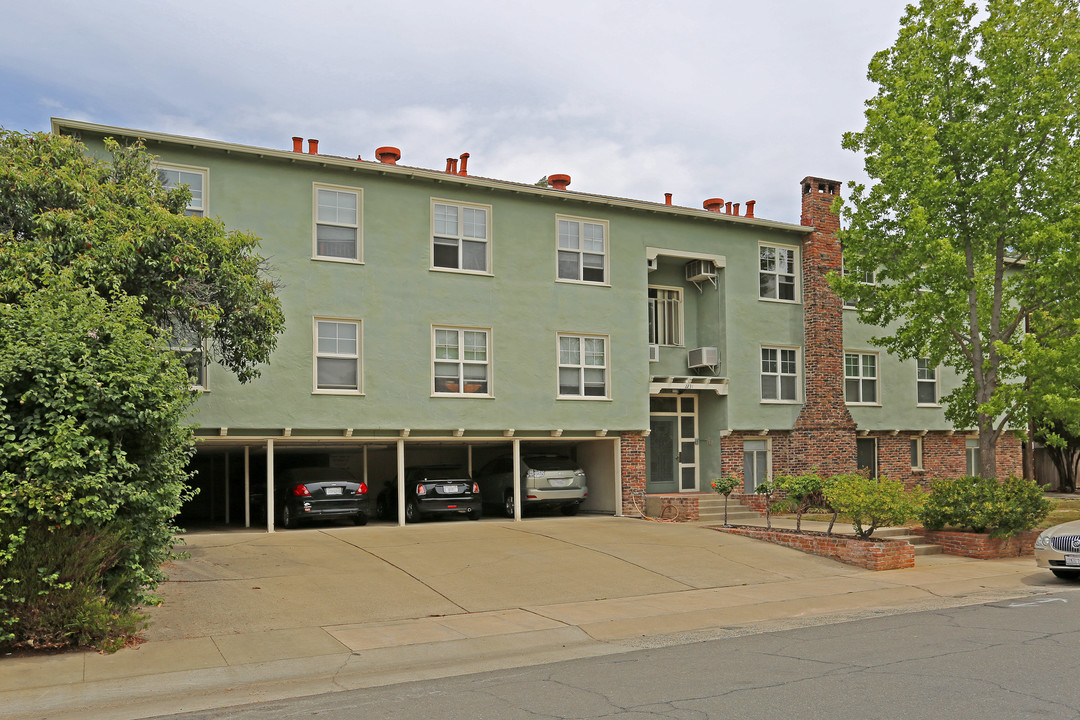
(388, 155)
(559, 182)
(297, 144)
(714, 205)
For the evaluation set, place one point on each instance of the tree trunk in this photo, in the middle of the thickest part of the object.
(987, 447)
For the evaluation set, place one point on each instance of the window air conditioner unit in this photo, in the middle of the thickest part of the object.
(654, 353)
(703, 357)
(698, 270)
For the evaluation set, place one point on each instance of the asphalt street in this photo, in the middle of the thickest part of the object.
(1011, 659)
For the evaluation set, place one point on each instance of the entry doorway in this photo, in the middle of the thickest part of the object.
(671, 448)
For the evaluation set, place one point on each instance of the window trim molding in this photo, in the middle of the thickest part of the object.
(682, 312)
(359, 192)
(202, 349)
(607, 366)
(798, 375)
(876, 378)
(489, 363)
(921, 467)
(607, 251)
(204, 171)
(797, 300)
(488, 249)
(315, 389)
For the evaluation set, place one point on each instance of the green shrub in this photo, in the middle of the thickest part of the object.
(801, 493)
(871, 502)
(54, 588)
(1002, 508)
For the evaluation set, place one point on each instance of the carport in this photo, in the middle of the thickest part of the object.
(236, 470)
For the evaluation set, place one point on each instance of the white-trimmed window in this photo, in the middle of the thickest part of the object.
(757, 459)
(337, 223)
(191, 350)
(927, 383)
(868, 278)
(777, 268)
(665, 316)
(462, 361)
(337, 356)
(971, 455)
(779, 374)
(174, 176)
(583, 364)
(460, 237)
(582, 253)
(861, 378)
(866, 455)
(916, 453)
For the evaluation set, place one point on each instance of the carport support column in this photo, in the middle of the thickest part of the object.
(247, 486)
(270, 485)
(401, 483)
(517, 480)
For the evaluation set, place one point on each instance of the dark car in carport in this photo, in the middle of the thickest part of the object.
(432, 490)
(322, 493)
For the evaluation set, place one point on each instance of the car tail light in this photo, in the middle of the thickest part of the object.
(421, 490)
(475, 488)
(362, 490)
(301, 490)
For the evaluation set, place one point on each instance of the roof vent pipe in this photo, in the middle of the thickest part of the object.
(714, 205)
(667, 198)
(388, 155)
(464, 164)
(736, 209)
(750, 208)
(313, 146)
(559, 182)
(297, 144)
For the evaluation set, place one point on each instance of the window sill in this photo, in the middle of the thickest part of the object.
(582, 282)
(347, 261)
(778, 300)
(863, 404)
(928, 405)
(781, 402)
(583, 397)
(349, 393)
(456, 271)
(476, 396)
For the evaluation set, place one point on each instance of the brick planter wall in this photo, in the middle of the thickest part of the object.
(686, 507)
(869, 554)
(981, 545)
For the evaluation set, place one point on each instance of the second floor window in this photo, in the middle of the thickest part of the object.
(337, 356)
(194, 178)
(460, 237)
(665, 316)
(462, 359)
(860, 378)
(582, 250)
(582, 366)
(927, 383)
(779, 374)
(776, 273)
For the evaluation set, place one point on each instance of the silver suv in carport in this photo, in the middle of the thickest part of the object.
(547, 481)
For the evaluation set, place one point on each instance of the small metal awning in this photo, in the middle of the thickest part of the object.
(687, 383)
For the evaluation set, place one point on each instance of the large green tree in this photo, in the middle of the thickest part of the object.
(99, 268)
(971, 221)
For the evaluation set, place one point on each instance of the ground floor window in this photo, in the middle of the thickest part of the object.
(972, 455)
(755, 464)
(916, 454)
(866, 455)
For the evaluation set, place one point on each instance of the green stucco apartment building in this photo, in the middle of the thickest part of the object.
(437, 316)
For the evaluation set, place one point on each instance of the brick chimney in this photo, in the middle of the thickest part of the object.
(824, 433)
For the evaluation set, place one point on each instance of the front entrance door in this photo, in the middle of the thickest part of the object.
(671, 448)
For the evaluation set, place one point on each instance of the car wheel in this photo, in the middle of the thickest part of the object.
(473, 514)
(508, 505)
(360, 519)
(381, 510)
(288, 520)
(569, 509)
(412, 513)
(1066, 574)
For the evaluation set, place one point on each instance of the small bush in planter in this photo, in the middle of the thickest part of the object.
(725, 486)
(1002, 508)
(872, 502)
(803, 492)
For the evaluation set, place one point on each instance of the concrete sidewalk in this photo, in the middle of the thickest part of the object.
(254, 616)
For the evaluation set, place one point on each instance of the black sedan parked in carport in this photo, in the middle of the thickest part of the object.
(432, 490)
(322, 492)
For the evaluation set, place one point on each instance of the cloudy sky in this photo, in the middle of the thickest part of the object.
(699, 98)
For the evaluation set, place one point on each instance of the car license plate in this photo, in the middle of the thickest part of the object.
(452, 488)
(560, 482)
(332, 490)
(1072, 560)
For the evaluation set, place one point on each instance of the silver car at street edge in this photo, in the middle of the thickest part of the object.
(1058, 550)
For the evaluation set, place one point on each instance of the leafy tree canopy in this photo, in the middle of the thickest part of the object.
(121, 233)
(972, 220)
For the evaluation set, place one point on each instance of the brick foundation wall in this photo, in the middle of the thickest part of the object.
(632, 460)
(681, 508)
(870, 554)
(981, 545)
(1009, 456)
